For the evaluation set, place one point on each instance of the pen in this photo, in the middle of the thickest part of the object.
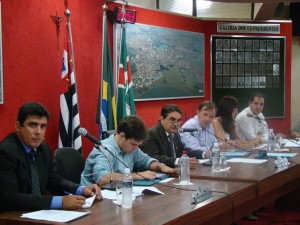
(67, 193)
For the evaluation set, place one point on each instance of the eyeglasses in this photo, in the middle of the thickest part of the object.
(174, 120)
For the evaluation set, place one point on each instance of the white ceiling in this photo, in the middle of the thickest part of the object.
(224, 9)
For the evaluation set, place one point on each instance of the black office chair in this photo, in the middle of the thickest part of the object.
(69, 163)
(106, 134)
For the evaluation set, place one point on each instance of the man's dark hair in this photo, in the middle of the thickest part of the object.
(256, 94)
(132, 127)
(207, 105)
(32, 109)
(169, 108)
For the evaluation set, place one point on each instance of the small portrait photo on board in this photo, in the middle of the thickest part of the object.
(240, 82)
(247, 82)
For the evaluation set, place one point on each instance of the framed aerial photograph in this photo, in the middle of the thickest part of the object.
(1, 61)
(165, 63)
(244, 64)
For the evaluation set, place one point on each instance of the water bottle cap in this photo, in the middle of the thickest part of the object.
(216, 144)
(183, 152)
(127, 171)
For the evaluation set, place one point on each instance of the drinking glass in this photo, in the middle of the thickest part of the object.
(223, 160)
(279, 141)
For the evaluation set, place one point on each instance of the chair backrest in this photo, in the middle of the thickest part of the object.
(106, 134)
(69, 163)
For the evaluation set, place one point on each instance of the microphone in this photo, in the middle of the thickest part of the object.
(111, 186)
(225, 141)
(182, 130)
(255, 117)
(209, 162)
(82, 131)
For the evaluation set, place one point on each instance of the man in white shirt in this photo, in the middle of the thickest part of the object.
(250, 123)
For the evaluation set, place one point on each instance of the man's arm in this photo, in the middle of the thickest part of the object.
(153, 147)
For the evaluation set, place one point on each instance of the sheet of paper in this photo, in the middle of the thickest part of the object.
(166, 180)
(139, 190)
(245, 160)
(89, 202)
(109, 194)
(203, 160)
(261, 146)
(286, 155)
(61, 216)
(291, 143)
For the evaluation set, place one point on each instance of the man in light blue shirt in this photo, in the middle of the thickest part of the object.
(123, 151)
(205, 114)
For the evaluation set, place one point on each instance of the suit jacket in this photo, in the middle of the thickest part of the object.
(157, 145)
(15, 177)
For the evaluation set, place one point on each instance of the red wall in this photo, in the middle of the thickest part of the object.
(32, 56)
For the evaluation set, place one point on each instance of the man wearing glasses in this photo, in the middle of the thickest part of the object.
(204, 138)
(163, 142)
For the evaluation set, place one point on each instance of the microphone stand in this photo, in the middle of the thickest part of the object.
(225, 141)
(111, 186)
(208, 162)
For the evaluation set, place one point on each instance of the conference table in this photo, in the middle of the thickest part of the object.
(174, 207)
(236, 193)
(271, 182)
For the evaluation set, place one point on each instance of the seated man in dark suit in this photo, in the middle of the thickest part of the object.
(27, 171)
(159, 144)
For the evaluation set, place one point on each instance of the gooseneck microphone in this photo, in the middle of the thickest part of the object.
(255, 117)
(82, 131)
(209, 162)
(182, 130)
(225, 141)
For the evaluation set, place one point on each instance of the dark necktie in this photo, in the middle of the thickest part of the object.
(34, 174)
(172, 146)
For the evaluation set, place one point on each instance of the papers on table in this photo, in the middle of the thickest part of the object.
(261, 146)
(291, 143)
(61, 216)
(285, 155)
(88, 202)
(245, 160)
(203, 160)
(136, 192)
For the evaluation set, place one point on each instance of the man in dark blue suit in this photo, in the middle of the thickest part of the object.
(158, 144)
(19, 170)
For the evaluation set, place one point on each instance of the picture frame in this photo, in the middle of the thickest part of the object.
(242, 64)
(165, 63)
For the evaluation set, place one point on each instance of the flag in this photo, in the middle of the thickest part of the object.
(69, 121)
(125, 102)
(106, 99)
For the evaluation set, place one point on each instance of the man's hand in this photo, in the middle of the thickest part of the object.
(193, 162)
(166, 169)
(149, 175)
(72, 202)
(92, 190)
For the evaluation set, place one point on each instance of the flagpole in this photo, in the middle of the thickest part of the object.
(105, 8)
(123, 21)
(68, 14)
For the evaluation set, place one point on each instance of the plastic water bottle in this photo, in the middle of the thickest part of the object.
(271, 141)
(127, 189)
(184, 173)
(215, 158)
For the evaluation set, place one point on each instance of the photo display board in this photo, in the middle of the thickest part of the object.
(241, 65)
